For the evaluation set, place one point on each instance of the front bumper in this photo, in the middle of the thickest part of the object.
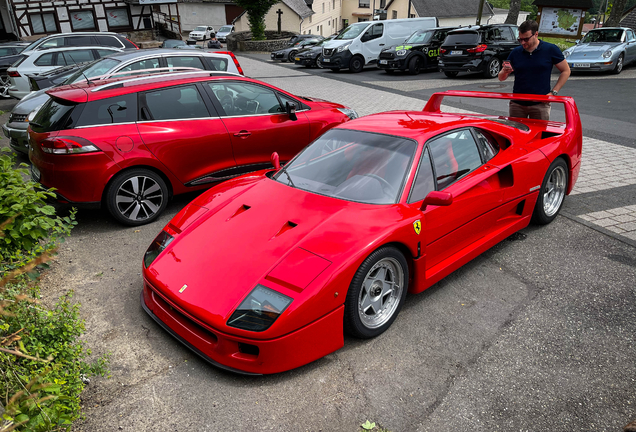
(278, 55)
(337, 60)
(594, 66)
(305, 61)
(19, 138)
(196, 37)
(393, 64)
(241, 355)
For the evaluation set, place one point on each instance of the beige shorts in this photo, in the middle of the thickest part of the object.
(540, 111)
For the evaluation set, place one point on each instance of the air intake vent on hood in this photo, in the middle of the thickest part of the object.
(286, 227)
(240, 210)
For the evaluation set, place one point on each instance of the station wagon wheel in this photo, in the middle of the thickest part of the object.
(493, 68)
(552, 193)
(357, 64)
(619, 65)
(137, 197)
(376, 293)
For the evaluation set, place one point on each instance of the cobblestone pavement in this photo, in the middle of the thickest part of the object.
(600, 157)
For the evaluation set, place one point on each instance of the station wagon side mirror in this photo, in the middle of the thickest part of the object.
(275, 161)
(290, 108)
(437, 198)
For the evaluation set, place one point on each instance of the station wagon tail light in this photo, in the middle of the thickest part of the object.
(14, 73)
(259, 310)
(234, 59)
(68, 145)
(136, 46)
(479, 48)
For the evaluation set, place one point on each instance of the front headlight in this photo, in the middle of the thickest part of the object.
(400, 53)
(32, 114)
(259, 310)
(351, 113)
(607, 54)
(156, 247)
(344, 47)
(566, 53)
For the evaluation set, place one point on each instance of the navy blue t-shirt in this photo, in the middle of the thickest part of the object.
(533, 69)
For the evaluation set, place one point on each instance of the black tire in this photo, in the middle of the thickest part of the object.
(492, 68)
(356, 64)
(136, 197)
(319, 62)
(450, 74)
(386, 273)
(291, 56)
(619, 65)
(552, 193)
(416, 64)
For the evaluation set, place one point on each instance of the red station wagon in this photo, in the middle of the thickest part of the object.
(130, 144)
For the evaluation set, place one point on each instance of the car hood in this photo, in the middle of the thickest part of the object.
(590, 50)
(310, 50)
(30, 102)
(251, 233)
(336, 43)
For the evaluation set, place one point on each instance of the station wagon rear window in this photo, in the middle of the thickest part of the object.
(467, 38)
(54, 115)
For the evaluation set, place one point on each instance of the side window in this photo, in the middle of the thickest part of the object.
(60, 60)
(377, 30)
(506, 34)
(45, 60)
(104, 52)
(79, 41)
(176, 103)
(241, 99)
(219, 64)
(454, 155)
(285, 98)
(52, 43)
(139, 65)
(185, 61)
(487, 144)
(77, 56)
(424, 181)
(118, 109)
(108, 41)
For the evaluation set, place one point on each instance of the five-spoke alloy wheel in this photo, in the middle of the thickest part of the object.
(137, 197)
(552, 193)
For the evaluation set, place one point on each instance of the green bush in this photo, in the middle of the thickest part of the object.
(31, 225)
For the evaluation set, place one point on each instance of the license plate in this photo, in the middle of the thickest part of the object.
(297, 59)
(35, 173)
(581, 65)
(326, 60)
(383, 62)
(456, 52)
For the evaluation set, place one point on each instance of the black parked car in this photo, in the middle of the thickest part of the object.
(288, 54)
(417, 53)
(477, 49)
(311, 56)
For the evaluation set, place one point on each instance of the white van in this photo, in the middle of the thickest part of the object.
(360, 44)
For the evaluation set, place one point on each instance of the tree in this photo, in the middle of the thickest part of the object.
(513, 12)
(618, 6)
(256, 11)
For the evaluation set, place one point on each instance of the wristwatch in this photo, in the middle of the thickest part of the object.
(554, 92)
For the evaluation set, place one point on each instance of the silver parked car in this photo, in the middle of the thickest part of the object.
(122, 64)
(603, 49)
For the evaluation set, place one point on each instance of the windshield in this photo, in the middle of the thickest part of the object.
(352, 31)
(225, 29)
(609, 35)
(200, 28)
(355, 166)
(95, 69)
(420, 37)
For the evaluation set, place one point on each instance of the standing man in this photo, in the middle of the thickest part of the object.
(532, 63)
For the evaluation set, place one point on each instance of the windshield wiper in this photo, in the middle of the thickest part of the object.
(284, 169)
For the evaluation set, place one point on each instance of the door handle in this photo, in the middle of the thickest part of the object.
(381, 44)
(243, 134)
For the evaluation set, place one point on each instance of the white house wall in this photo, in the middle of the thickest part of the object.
(324, 23)
(196, 14)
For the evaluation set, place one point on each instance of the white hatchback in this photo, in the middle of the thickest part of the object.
(36, 62)
(201, 33)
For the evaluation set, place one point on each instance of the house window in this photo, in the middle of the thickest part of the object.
(364, 3)
(117, 17)
(394, 15)
(382, 4)
(82, 20)
(323, 8)
(43, 23)
(333, 4)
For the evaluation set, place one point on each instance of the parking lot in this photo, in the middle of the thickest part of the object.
(536, 334)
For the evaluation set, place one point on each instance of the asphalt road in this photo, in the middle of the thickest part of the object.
(537, 334)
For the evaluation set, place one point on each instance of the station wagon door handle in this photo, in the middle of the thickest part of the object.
(243, 134)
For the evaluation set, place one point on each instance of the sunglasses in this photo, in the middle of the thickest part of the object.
(526, 39)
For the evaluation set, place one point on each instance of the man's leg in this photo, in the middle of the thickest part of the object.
(516, 110)
(540, 111)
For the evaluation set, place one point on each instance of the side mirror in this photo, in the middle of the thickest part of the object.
(437, 198)
(365, 37)
(275, 161)
(290, 108)
(577, 41)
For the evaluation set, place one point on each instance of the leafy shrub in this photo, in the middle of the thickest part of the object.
(32, 227)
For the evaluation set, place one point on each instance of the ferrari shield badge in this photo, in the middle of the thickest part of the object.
(183, 288)
(417, 226)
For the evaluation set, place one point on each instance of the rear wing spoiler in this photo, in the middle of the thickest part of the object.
(572, 118)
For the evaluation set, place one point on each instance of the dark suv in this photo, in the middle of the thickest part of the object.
(417, 53)
(477, 49)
